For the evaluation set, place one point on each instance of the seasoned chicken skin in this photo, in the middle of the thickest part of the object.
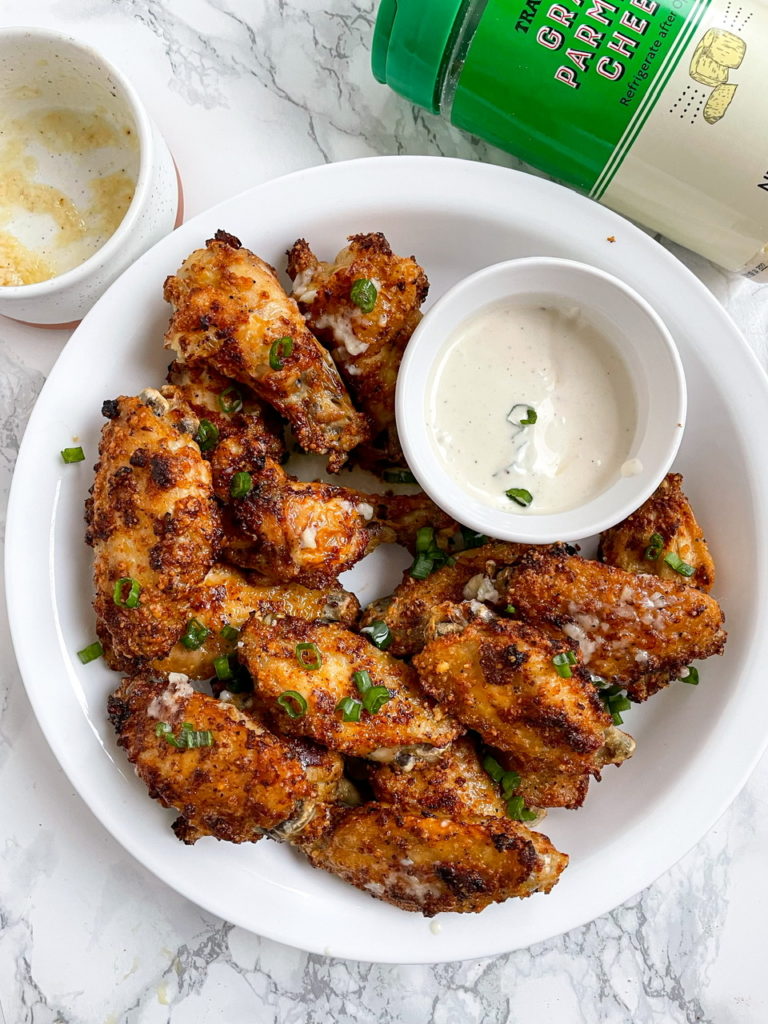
(231, 407)
(405, 727)
(454, 786)
(639, 632)
(501, 679)
(431, 864)
(409, 611)
(366, 344)
(152, 520)
(230, 312)
(668, 514)
(246, 782)
(226, 598)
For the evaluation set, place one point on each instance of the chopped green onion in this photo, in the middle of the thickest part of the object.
(398, 476)
(362, 681)
(510, 610)
(425, 538)
(493, 768)
(350, 709)
(223, 667)
(241, 485)
(615, 702)
(422, 567)
(364, 294)
(207, 435)
(378, 633)
(188, 738)
(129, 600)
(562, 663)
(279, 352)
(374, 699)
(530, 418)
(691, 676)
(229, 405)
(509, 783)
(674, 561)
(517, 810)
(73, 454)
(471, 538)
(520, 496)
(292, 703)
(597, 681)
(309, 656)
(91, 652)
(194, 635)
(655, 547)
(230, 633)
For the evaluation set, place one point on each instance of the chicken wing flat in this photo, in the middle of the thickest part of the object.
(241, 783)
(409, 611)
(503, 679)
(364, 306)
(663, 526)
(152, 521)
(431, 864)
(455, 786)
(639, 632)
(321, 662)
(232, 408)
(406, 514)
(223, 602)
(302, 532)
(230, 311)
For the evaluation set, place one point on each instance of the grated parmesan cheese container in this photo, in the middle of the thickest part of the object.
(656, 108)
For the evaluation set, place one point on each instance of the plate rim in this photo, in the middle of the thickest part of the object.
(613, 894)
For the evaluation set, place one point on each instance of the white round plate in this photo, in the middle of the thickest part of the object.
(696, 745)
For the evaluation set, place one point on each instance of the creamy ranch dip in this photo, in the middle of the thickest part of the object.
(531, 407)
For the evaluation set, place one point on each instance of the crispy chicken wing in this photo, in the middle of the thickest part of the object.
(406, 514)
(667, 514)
(455, 785)
(227, 597)
(244, 783)
(366, 340)
(431, 864)
(283, 657)
(639, 632)
(501, 679)
(230, 311)
(408, 612)
(231, 407)
(152, 521)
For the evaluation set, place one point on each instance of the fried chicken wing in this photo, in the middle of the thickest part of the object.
(367, 340)
(455, 786)
(639, 632)
(226, 598)
(405, 514)
(664, 524)
(408, 612)
(501, 679)
(319, 661)
(245, 782)
(152, 521)
(231, 407)
(431, 864)
(230, 312)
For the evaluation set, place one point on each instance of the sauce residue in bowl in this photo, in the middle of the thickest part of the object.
(67, 178)
(532, 399)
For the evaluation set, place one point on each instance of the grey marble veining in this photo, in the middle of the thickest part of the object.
(243, 90)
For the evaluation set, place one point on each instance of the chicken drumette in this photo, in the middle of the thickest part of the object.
(152, 521)
(230, 312)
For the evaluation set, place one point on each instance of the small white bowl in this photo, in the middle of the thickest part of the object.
(42, 72)
(628, 324)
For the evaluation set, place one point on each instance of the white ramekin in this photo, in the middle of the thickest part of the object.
(640, 339)
(65, 71)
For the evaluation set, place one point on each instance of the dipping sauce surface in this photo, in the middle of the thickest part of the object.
(532, 398)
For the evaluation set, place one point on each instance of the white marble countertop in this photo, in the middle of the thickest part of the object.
(244, 90)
